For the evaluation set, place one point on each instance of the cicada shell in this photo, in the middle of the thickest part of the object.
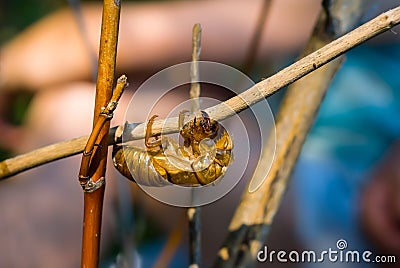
(202, 159)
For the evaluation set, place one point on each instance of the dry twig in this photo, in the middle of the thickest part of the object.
(219, 112)
(256, 39)
(193, 214)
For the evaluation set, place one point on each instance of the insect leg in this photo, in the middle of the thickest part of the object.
(157, 141)
(181, 117)
(181, 121)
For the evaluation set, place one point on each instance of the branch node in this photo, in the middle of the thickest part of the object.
(88, 153)
(89, 186)
(106, 112)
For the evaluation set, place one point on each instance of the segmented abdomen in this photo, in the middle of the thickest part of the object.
(135, 164)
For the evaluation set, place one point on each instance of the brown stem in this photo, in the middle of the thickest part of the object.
(93, 201)
(265, 88)
(105, 115)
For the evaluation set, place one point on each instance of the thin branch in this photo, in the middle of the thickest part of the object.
(254, 215)
(219, 112)
(194, 219)
(256, 39)
(171, 245)
(194, 70)
(193, 214)
(105, 115)
(93, 200)
(76, 6)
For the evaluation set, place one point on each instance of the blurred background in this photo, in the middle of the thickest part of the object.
(345, 185)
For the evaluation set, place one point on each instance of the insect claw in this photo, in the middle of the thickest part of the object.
(149, 134)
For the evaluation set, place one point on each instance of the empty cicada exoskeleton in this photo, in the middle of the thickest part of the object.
(202, 159)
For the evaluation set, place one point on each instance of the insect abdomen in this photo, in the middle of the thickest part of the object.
(135, 164)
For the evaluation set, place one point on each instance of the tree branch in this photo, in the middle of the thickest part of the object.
(193, 214)
(238, 103)
(93, 198)
(105, 115)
